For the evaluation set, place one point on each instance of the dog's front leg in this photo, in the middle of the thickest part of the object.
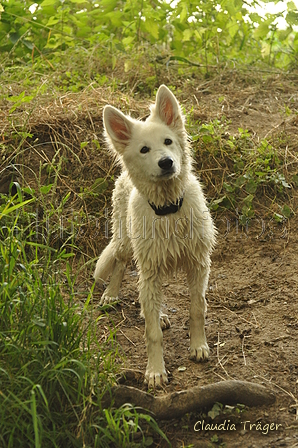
(198, 280)
(150, 299)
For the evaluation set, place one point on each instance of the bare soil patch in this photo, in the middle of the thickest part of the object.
(252, 330)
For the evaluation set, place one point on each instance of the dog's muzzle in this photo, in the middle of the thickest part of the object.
(167, 166)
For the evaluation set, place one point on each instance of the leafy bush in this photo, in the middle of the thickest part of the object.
(209, 32)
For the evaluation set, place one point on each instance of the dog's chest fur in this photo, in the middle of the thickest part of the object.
(174, 240)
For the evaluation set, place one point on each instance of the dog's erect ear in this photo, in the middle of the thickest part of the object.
(167, 107)
(117, 125)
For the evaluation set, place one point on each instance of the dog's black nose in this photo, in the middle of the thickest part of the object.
(165, 163)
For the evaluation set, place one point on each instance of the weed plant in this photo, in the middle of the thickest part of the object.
(245, 170)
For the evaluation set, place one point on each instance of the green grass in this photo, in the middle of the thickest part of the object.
(53, 372)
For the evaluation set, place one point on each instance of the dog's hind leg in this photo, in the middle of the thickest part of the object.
(105, 264)
(110, 295)
(197, 278)
(110, 263)
(115, 256)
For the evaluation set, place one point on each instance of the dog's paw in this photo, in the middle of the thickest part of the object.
(155, 379)
(164, 321)
(106, 299)
(199, 353)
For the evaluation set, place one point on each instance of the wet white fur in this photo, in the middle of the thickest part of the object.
(159, 244)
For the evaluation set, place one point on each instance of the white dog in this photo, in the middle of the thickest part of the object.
(160, 218)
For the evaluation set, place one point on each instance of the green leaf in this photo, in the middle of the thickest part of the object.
(187, 35)
(128, 65)
(262, 30)
(128, 40)
(229, 188)
(241, 180)
(215, 411)
(84, 31)
(29, 190)
(247, 212)
(108, 5)
(284, 34)
(286, 211)
(278, 217)
(18, 100)
(45, 189)
(14, 37)
(48, 3)
(251, 186)
(292, 18)
(291, 6)
(149, 441)
(53, 20)
(248, 200)
(216, 203)
(9, 209)
(152, 27)
(114, 61)
(66, 197)
(233, 29)
(255, 18)
(28, 44)
(183, 13)
(100, 185)
(116, 18)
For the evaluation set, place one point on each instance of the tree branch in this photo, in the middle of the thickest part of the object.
(176, 404)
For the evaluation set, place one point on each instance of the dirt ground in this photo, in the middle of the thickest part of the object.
(252, 331)
(252, 320)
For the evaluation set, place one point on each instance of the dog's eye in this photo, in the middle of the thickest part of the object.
(168, 141)
(145, 149)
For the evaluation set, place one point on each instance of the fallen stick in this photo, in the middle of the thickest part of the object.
(177, 404)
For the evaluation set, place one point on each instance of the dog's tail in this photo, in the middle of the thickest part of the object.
(105, 264)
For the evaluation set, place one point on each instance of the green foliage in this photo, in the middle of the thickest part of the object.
(218, 409)
(215, 411)
(123, 425)
(53, 372)
(249, 169)
(209, 32)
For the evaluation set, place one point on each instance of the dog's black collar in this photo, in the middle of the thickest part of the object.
(167, 209)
